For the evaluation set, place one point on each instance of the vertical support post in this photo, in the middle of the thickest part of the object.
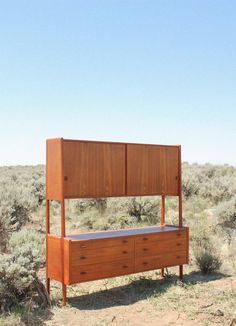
(162, 221)
(63, 227)
(63, 232)
(180, 205)
(47, 232)
(162, 209)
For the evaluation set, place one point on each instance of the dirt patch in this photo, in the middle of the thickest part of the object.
(201, 301)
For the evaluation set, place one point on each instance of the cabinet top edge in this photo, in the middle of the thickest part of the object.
(111, 142)
(124, 233)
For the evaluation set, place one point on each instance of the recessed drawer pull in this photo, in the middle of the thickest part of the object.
(82, 257)
(145, 263)
(179, 244)
(124, 266)
(124, 252)
(178, 257)
(145, 249)
(178, 234)
(145, 239)
(82, 246)
(125, 241)
(83, 273)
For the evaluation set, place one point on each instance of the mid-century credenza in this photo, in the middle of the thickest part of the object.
(93, 169)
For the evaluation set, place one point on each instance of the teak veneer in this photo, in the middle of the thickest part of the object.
(91, 169)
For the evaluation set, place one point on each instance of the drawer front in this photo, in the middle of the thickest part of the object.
(124, 242)
(158, 247)
(102, 255)
(99, 271)
(146, 238)
(160, 261)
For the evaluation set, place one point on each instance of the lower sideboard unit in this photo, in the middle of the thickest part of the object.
(97, 255)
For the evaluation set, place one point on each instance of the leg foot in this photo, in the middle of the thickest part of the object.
(48, 285)
(181, 272)
(162, 272)
(63, 294)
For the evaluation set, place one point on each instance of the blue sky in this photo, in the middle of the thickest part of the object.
(132, 70)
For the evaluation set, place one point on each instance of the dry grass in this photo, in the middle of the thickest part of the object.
(141, 299)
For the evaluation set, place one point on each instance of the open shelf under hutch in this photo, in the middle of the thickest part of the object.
(91, 169)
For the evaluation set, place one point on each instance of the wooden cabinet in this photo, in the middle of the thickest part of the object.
(97, 255)
(86, 169)
(95, 169)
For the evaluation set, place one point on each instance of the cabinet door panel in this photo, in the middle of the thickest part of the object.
(152, 170)
(93, 169)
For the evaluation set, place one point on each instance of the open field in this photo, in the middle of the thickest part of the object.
(201, 299)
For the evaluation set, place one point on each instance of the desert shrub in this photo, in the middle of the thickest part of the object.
(226, 213)
(207, 262)
(144, 209)
(38, 190)
(21, 192)
(93, 220)
(100, 204)
(80, 206)
(15, 211)
(18, 271)
(200, 235)
(121, 222)
(32, 239)
(190, 182)
(212, 182)
(205, 254)
(217, 190)
(86, 220)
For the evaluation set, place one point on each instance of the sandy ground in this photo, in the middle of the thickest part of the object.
(140, 302)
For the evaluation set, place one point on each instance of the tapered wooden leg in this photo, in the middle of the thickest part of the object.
(48, 285)
(181, 272)
(63, 294)
(162, 272)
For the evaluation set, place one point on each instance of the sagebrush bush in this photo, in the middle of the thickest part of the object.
(207, 261)
(18, 271)
(226, 213)
(21, 191)
(144, 209)
(14, 212)
(32, 239)
(212, 182)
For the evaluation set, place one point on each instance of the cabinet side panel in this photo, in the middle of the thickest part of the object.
(152, 170)
(54, 258)
(54, 169)
(93, 169)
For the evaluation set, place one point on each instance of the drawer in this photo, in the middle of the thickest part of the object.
(158, 247)
(160, 261)
(102, 255)
(81, 245)
(99, 271)
(161, 236)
